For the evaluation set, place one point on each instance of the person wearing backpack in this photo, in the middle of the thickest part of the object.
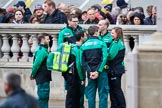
(40, 72)
(75, 76)
(93, 56)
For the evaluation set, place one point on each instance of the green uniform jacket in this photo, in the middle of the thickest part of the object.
(93, 54)
(39, 68)
(107, 38)
(67, 34)
(116, 57)
(76, 52)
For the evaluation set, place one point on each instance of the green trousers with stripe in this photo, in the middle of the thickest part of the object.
(101, 83)
(43, 94)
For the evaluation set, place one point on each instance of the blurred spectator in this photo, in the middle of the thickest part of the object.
(62, 7)
(121, 3)
(121, 19)
(154, 15)
(54, 16)
(16, 96)
(140, 10)
(98, 13)
(137, 19)
(83, 17)
(91, 17)
(149, 10)
(107, 13)
(10, 10)
(9, 18)
(18, 17)
(34, 19)
(2, 15)
(129, 14)
(151, 20)
(115, 12)
(77, 12)
(39, 12)
(27, 13)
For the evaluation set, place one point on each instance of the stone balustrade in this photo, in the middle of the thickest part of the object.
(14, 38)
(16, 51)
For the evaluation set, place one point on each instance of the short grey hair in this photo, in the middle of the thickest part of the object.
(13, 80)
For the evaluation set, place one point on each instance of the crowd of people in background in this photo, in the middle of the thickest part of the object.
(51, 13)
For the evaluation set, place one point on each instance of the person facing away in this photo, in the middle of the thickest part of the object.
(93, 56)
(40, 72)
(75, 76)
(16, 96)
(116, 68)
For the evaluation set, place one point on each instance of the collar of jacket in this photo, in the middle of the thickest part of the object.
(104, 34)
(18, 90)
(94, 37)
(45, 46)
(72, 28)
(54, 12)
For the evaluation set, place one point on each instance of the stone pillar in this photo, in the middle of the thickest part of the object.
(0, 46)
(150, 68)
(25, 48)
(5, 48)
(135, 43)
(15, 48)
(54, 45)
(126, 43)
(35, 43)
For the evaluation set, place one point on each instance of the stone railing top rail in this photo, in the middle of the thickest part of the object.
(55, 28)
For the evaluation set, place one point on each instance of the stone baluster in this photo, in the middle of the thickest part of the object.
(0, 46)
(35, 43)
(135, 44)
(5, 48)
(15, 48)
(54, 45)
(126, 43)
(25, 48)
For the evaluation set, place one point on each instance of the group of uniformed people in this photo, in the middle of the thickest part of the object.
(97, 55)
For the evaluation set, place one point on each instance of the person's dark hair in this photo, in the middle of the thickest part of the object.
(51, 3)
(42, 36)
(79, 34)
(92, 30)
(19, 11)
(70, 16)
(13, 80)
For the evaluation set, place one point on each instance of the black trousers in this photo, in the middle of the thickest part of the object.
(73, 92)
(116, 94)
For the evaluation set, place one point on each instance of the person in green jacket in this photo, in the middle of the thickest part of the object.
(67, 34)
(75, 76)
(93, 56)
(116, 68)
(40, 72)
(105, 35)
